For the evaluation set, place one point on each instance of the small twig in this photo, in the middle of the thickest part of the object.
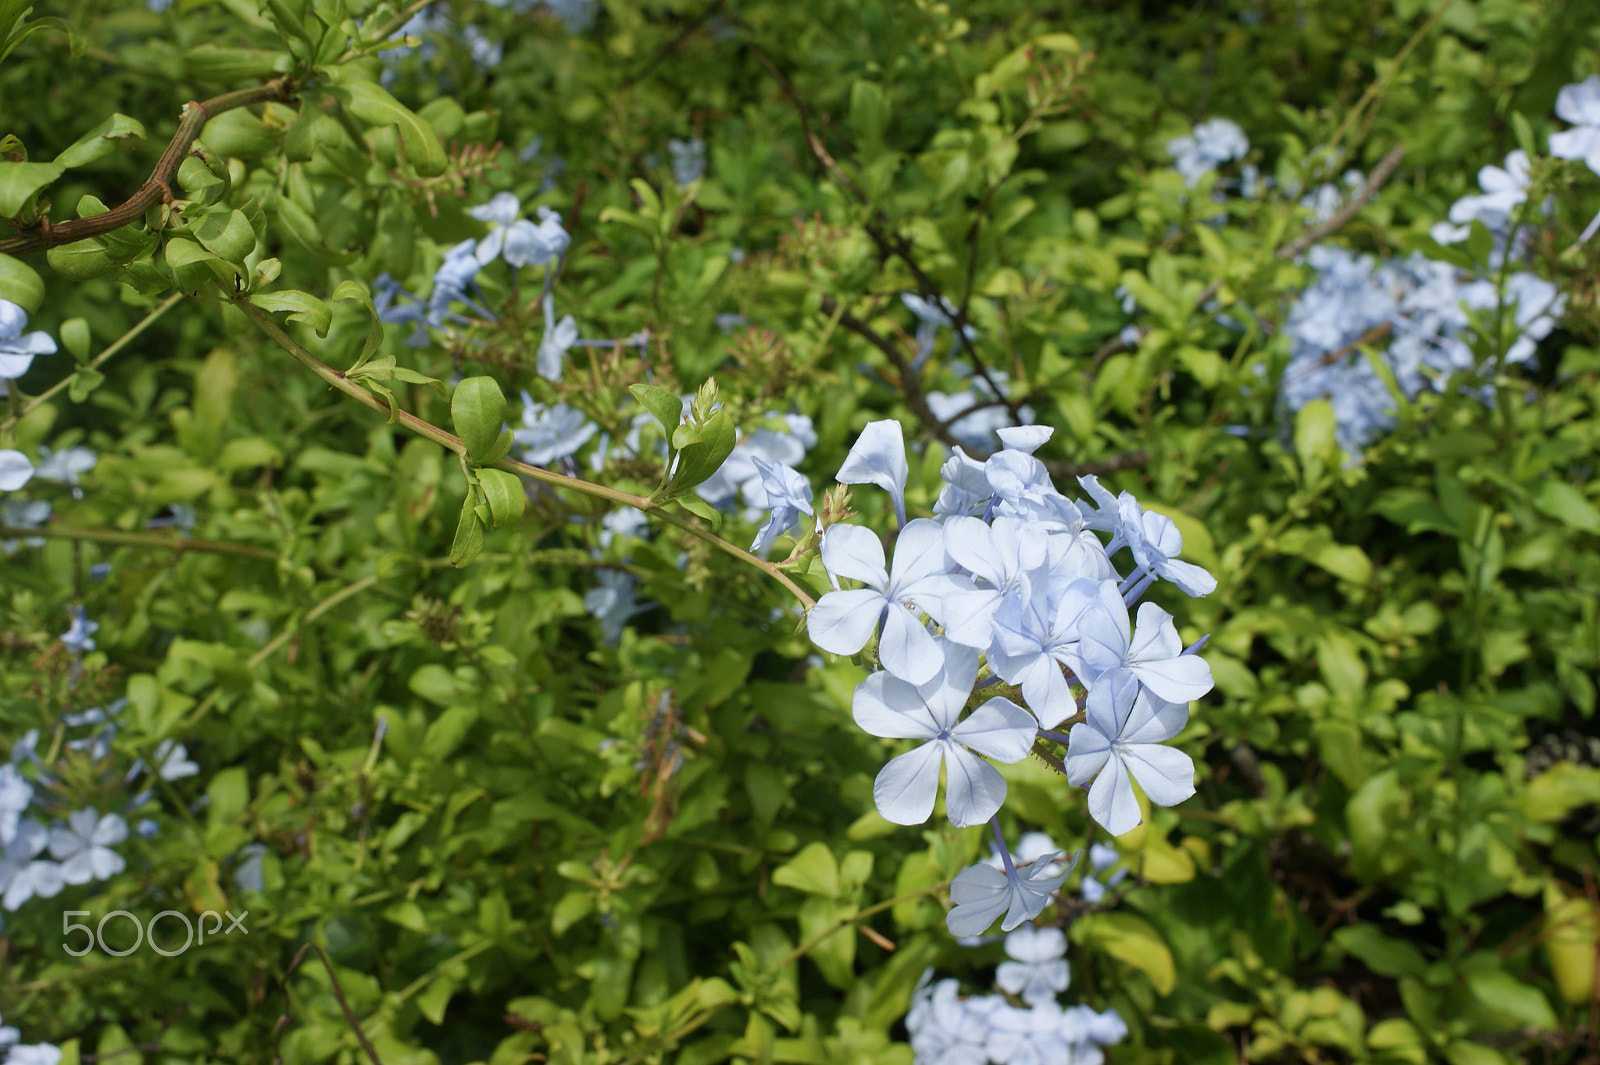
(818, 150)
(1380, 176)
(1124, 460)
(158, 188)
(916, 399)
(428, 430)
(111, 349)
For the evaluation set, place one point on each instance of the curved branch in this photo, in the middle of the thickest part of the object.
(158, 187)
(432, 432)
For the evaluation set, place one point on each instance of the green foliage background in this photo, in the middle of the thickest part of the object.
(1377, 867)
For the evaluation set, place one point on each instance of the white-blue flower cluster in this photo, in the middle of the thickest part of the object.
(34, 822)
(1024, 1025)
(1426, 306)
(13, 1051)
(1010, 581)
(1207, 147)
(520, 243)
(760, 474)
(1420, 311)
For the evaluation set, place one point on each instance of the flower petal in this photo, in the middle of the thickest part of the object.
(905, 789)
(1165, 773)
(842, 622)
(974, 791)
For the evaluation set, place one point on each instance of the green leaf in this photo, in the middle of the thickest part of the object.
(1504, 1003)
(20, 181)
(447, 731)
(193, 266)
(505, 496)
(1566, 504)
(240, 134)
(354, 292)
(229, 791)
(227, 234)
(435, 998)
(698, 507)
(215, 63)
(664, 405)
(705, 449)
(812, 871)
(1313, 439)
(1559, 790)
(82, 260)
(75, 338)
(502, 446)
(1132, 940)
(478, 412)
(869, 116)
(376, 107)
(302, 307)
(301, 228)
(1378, 952)
(468, 543)
(20, 284)
(101, 141)
(84, 382)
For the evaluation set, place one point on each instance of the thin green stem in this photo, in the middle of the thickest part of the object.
(432, 432)
(289, 632)
(841, 922)
(120, 538)
(99, 360)
(1377, 88)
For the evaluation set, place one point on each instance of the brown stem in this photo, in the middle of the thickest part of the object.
(158, 188)
(1380, 176)
(916, 399)
(534, 473)
(1124, 460)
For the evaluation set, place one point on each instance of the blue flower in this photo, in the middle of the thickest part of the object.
(15, 470)
(688, 160)
(982, 893)
(1123, 738)
(16, 350)
(788, 495)
(907, 786)
(550, 433)
(1207, 147)
(84, 847)
(78, 635)
(23, 875)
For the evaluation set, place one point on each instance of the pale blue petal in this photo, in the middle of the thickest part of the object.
(999, 729)
(1111, 800)
(889, 707)
(980, 894)
(842, 622)
(974, 789)
(907, 649)
(1087, 751)
(879, 457)
(1165, 773)
(1177, 680)
(1154, 720)
(905, 789)
(854, 551)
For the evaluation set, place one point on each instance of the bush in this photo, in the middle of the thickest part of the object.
(592, 751)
